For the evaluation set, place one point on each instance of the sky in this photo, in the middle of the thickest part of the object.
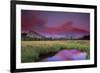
(55, 24)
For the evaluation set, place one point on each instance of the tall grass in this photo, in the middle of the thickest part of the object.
(31, 51)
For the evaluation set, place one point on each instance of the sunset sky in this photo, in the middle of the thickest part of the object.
(55, 24)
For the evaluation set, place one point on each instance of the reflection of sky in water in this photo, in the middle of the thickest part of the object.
(65, 55)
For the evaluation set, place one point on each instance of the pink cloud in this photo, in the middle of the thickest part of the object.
(66, 27)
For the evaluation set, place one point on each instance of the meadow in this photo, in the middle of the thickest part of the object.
(35, 51)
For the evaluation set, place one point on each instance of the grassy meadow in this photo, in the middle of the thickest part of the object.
(35, 51)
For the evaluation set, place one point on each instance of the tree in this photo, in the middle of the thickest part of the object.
(87, 37)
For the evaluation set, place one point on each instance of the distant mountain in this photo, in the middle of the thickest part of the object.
(79, 30)
(31, 35)
(65, 28)
(73, 34)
